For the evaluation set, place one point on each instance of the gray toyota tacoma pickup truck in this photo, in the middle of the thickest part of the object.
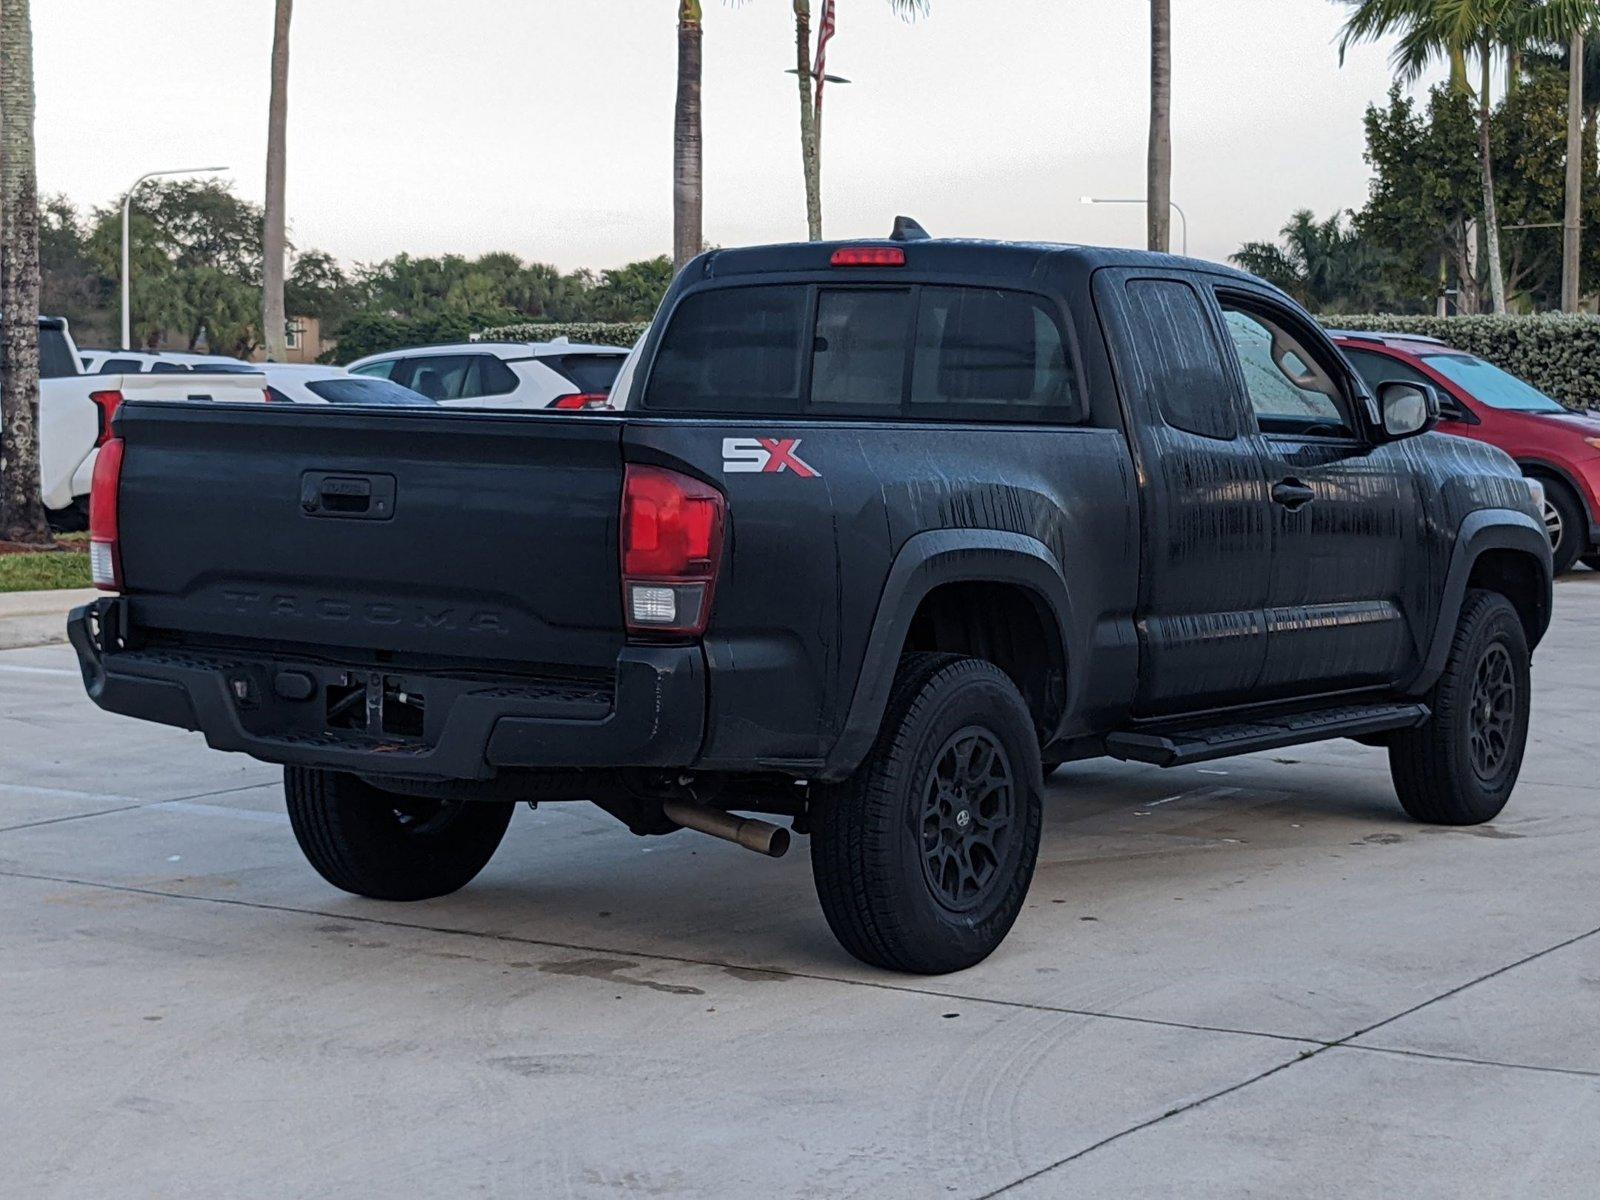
(885, 531)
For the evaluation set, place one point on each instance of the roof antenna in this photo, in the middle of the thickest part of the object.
(907, 230)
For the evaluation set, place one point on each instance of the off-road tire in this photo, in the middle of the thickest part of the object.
(871, 846)
(385, 846)
(1441, 778)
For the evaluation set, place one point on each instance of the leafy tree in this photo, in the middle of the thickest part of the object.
(1459, 29)
(319, 287)
(1424, 194)
(1414, 235)
(71, 284)
(196, 251)
(629, 293)
(1453, 30)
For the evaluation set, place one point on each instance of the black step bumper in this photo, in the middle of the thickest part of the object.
(460, 728)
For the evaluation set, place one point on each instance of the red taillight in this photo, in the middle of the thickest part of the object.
(105, 556)
(869, 256)
(107, 402)
(582, 400)
(671, 549)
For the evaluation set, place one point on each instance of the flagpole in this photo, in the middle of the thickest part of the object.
(819, 72)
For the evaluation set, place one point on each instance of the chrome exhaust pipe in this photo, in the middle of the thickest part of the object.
(761, 836)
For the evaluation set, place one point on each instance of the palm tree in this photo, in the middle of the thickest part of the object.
(1158, 199)
(810, 150)
(688, 233)
(274, 326)
(21, 508)
(810, 136)
(1325, 265)
(1454, 30)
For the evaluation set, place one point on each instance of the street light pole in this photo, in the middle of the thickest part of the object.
(1183, 219)
(127, 204)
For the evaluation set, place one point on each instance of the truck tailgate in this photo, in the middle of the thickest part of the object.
(450, 537)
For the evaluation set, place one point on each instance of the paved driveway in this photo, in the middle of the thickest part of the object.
(1253, 978)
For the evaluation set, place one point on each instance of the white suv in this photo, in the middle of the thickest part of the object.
(558, 374)
(159, 362)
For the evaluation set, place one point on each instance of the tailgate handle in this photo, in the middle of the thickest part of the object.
(342, 494)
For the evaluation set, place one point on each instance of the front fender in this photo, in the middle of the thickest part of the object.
(926, 561)
(1485, 530)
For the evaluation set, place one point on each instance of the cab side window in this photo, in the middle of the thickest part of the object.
(1180, 363)
(1290, 390)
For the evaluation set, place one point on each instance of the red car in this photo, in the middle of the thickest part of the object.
(1558, 447)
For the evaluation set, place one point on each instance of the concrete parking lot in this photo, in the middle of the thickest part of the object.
(1252, 978)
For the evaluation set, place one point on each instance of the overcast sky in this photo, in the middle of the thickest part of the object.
(545, 126)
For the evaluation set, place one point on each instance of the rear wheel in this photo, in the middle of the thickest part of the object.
(386, 846)
(1565, 523)
(923, 857)
(1460, 767)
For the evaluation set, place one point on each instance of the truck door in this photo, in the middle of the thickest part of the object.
(1346, 514)
(1205, 527)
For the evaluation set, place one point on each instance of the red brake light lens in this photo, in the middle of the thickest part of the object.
(105, 556)
(869, 256)
(108, 403)
(582, 400)
(672, 528)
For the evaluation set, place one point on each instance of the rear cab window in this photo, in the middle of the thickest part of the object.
(919, 351)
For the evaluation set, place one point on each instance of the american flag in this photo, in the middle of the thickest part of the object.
(824, 34)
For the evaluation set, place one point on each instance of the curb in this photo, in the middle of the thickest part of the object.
(38, 618)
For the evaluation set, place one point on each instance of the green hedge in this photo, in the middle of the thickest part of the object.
(597, 333)
(1558, 354)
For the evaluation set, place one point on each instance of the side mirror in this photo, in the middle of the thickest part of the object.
(1407, 409)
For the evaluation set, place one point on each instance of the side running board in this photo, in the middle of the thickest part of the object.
(1181, 743)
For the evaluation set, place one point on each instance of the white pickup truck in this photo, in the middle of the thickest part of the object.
(75, 415)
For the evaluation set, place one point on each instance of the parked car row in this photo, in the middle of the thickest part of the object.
(556, 374)
(79, 389)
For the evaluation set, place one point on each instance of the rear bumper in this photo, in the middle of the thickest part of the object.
(469, 728)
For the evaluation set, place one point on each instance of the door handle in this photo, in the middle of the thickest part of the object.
(1292, 494)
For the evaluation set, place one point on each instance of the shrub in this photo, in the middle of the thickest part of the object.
(600, 333)
(1558, 354)
(375, 333)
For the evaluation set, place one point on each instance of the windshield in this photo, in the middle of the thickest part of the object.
(1488, 384)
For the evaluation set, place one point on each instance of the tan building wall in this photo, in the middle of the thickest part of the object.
(305, 341)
